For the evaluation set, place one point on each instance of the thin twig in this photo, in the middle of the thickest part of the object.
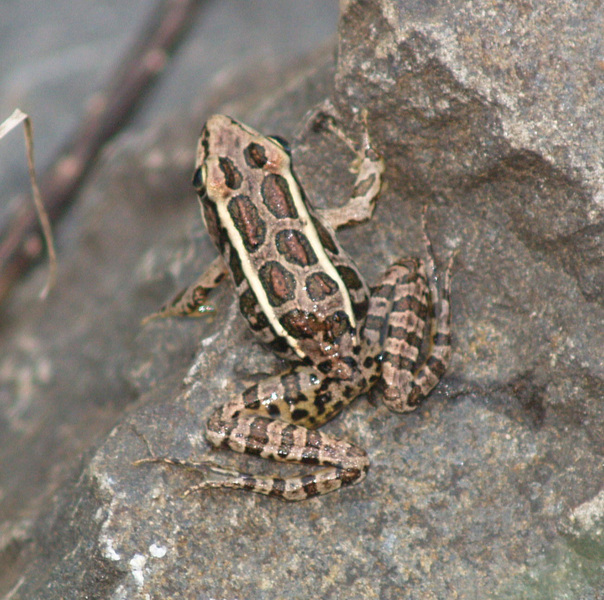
(20, 241)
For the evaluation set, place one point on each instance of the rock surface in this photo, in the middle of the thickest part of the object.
(493, 488)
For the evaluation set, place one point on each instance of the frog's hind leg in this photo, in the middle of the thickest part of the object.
(272, 420)
(291, 489)
(407, 299)
(439, 349)
(276, 419)
(343, 463)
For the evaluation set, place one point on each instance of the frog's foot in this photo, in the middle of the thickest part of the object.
(200, 467)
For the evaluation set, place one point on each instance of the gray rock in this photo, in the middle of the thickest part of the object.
(491, 489)
(584, 527)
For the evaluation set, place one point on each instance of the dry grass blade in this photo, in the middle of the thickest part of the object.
(6, 126)
(138, 70)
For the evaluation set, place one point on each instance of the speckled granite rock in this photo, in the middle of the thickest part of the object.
(493, 488)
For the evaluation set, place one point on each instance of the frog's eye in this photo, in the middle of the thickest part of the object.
(199, 180)
(281, 142)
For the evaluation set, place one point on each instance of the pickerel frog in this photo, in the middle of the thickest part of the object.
(303, 296)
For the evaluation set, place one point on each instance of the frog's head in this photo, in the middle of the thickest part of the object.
(229, 152)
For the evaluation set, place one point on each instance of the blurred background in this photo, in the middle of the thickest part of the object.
(56, 55)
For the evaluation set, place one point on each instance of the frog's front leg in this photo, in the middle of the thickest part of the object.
(369, 166)
(191, 301)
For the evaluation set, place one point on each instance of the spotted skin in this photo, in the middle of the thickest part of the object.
(304, 297)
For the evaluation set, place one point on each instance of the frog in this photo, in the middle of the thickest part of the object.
(305, 299)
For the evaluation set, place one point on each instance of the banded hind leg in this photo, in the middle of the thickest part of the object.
(403, 305)
(275, 419)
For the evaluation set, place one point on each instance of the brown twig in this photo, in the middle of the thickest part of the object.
(20, 239)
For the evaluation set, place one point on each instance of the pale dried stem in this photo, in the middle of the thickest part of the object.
(9, 124)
